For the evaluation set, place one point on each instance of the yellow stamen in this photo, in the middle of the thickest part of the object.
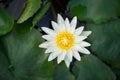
(65, 40)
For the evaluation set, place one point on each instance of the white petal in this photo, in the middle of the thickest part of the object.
(79, 30)
(61, 57)
(76, 55)
(49, 49)
(68, 27)
(47, 37)
(86, 33)
(47, 30)
(44, 45)
(84, 44)
(73, 23)
(79, 38)
(84, 50)
(67, 23)
(60, 19)
(62, 27)
(54, 25)
(67, 62)
(69, 55)
(53, 56)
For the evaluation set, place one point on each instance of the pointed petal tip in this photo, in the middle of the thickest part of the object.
(49, 59)
(43, 45)
(40, 46)
(79, 59)
(58, 61)
(82, 26)
(87, 53)
(43, 28)
(58, 14)
(89, 32)
(67, 64)
(75, 17)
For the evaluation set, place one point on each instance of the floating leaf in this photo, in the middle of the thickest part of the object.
(28, 60)
(62, 72)
(6, 22)
(105, 41)
(5, 73)
(91, 68)
(95, 10)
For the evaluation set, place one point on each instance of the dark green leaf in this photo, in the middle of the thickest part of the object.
(28, 60)
(6, 22)
(91, 68)
(117, 72)
(5, 68)
(63, 73)
(95, 10)
(105, 41)
(31, 7)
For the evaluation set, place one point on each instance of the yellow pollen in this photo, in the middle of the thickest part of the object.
(65, 40)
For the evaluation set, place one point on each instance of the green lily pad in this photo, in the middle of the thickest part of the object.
(5, 73)
(28, 60)
(6, 22)
(62, 72)
(96, 11)
(91, 68)
(105, 41)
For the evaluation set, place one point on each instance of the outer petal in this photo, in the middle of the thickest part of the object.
(62, 27)
(60, 19)
(61, 57)
(47, 30)
(58, 27)
(84, 51)
(69, 55)
(68, 27)
(49, 49)
(73, 23)
(79, 30)
(86, 33)
(84, 44)
(47, 37)
(54, 25)
(79, 38)
(67, 23)
(81, 49)
(53, 56)
(76, 55)
(67, 62)
(44, 45)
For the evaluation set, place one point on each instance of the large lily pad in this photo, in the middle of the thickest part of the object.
(95, 10)
(63, 73)
(105, 41)
(5, 73)
(91, 68)
(28, 61)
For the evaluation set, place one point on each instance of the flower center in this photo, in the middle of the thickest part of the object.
(65, 40)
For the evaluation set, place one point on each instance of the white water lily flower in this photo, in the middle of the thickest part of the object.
(65, 41)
